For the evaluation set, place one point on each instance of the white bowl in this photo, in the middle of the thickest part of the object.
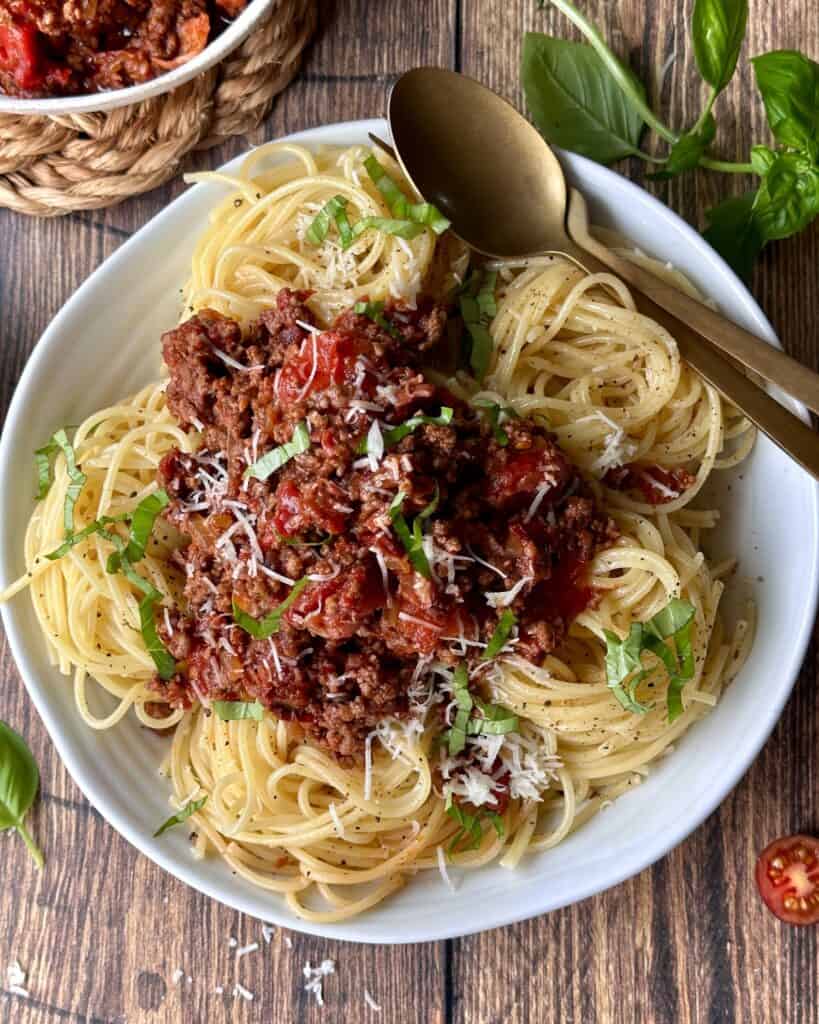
(227, 41)
(104, 344)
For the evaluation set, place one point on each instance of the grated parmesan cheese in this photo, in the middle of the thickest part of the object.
(251, 947)
(315, 978)
(16, 979)
(246, 994)
(373, 1005)
(443, 869)
(503, 598)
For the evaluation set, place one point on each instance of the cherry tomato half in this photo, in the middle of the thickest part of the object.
(787, 874)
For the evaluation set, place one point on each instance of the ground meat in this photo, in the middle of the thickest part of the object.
(397, 555)
(65, 47)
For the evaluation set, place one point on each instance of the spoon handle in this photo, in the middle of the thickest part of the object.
(784, 428)
(770, 363)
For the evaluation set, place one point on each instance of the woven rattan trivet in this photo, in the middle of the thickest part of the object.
(54, 165)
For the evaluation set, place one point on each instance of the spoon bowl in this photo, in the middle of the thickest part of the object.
(473, 155)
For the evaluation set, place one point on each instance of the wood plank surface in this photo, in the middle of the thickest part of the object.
(102, 931)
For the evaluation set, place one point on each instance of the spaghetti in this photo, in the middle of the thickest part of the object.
(337, 838)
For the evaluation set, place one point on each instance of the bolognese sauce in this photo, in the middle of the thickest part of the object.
(69, 47)
(362, 512)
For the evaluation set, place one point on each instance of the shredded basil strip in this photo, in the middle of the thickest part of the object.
(478, 307)
(408, 229)
(413, 539)
(237, 710)
(497, 413)
(271, 623)
(503, 630)
(471, 827)
(334, 210)
(42, 457)
(97, 526)
(142, 523)
(176, 819)
(497, 720)
(420, 213)
(396, 434)
(624, 666)
(375, 312)
(277, 457)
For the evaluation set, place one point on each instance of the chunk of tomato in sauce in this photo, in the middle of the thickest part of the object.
(336, 609)
(515, 477)
(565, 594)
(21, 55)
(319, 504)
(322, 360)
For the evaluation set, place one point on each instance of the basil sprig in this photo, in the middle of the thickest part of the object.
(176, 819)
(262, 628)
(477, 302)
(19, 779)
(238, 710)
(624, 666)
(395, 434)
(413, 538)
(277, 457)
(582, 97)
(471, 830)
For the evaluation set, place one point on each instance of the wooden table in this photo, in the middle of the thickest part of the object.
(102, 930)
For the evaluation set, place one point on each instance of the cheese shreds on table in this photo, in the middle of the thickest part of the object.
(246, 994)
(16, 979)
(373, 1005)
(251, 947)
(315, 978)
(267, 933)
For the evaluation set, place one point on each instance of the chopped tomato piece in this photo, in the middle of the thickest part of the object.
(657, 485)
(787, 875)
(318, 505)
(565, 594)
(21, 55)
(336, 608)
(322, 360)
(515, 477)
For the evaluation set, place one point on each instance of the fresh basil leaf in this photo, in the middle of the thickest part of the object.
(412, 539)
(496, 721)
(142, 523)
(497, 413)
(76, 477)
(761, 159)
(733, 231)
(162, 657)
(421, 213)
(277, 457)
(375, 312)
(238, 710)
(97, 526)
(623, 659)
(575, 101)
(19, 779)
(396, 434)
(43, 461)
(260, 629)
(503, 631)
(471, 827)
(788, 198)
(688, 150)
(717, 31)
(671, 619)
(176, 819)
(334, 210)
(401, 228)
(624, 668)
(789, 83)
(481, 351)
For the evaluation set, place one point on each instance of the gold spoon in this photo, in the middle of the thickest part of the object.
(491, 173)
